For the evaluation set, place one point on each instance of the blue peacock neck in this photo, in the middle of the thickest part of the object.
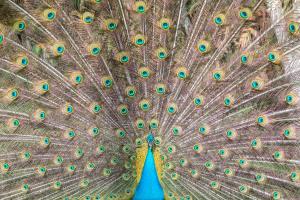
(149, 187)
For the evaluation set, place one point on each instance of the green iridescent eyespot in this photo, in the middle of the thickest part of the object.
(141, 9)
(131, 92)
(153, 124)
(171, 149)
(227, 101)
(172, 108)
(160, 89)
(45, 87)
(162, 55)
(101, 149)
(181, 75)
(144, 72)
(1, 38)
(14, 93)
(112, 26)
(293, 27)
(71, 134)
(140, 124)
(276, 195)
(27, 155)
(144, 105)
(6, 166)
(49, 14)
(198, 101)
(19, 25)
(217, 76)
(203, 46)
(46, 141)
(88, 17)
(121, 133)
(244, 59)
(209, 165)
(294, 176)
(138, 142)
(123, 109)
(260, 177)
(96, 51)
(243, 189)
(79, 152)
(176, 130)
(58, 160)
(95, 131)
(60, 49)
(245, 13)
(97, 108)
(16, 123)
(164, 24)
(70, 109)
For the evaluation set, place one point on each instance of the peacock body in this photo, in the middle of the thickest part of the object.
(205, 93)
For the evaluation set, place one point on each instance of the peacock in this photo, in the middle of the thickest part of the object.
(149, 99)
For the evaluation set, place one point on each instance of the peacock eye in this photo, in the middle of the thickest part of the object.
(141, 9)
(123, 109)
(20, 25)
(172, 108)
(14, 93)
(140, 124)
(107, 82)
(140, 41)
(145, 74)
(42, 115)
(293, 27)
(144, 105)
(45, 87)
(161, 55)
(272, 57)
(289, 99)
(256, 84)
(227, 102)
(16, 123)
(254, 143)
(197, 101)
(217, 76)
(112, 26)
(1, 38)
(58, 49)
(202, 48)
(51, 15)
(245, 13)
(244, 59)
(70, 109)
(218, 20)
(276, 195)
(124, 59)
(78, 79)
(165, 26)
(24, 61)
(130, 91)
(160, 89)
(71, 134)
(96, 51)
(88, 17)
(181, 75)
